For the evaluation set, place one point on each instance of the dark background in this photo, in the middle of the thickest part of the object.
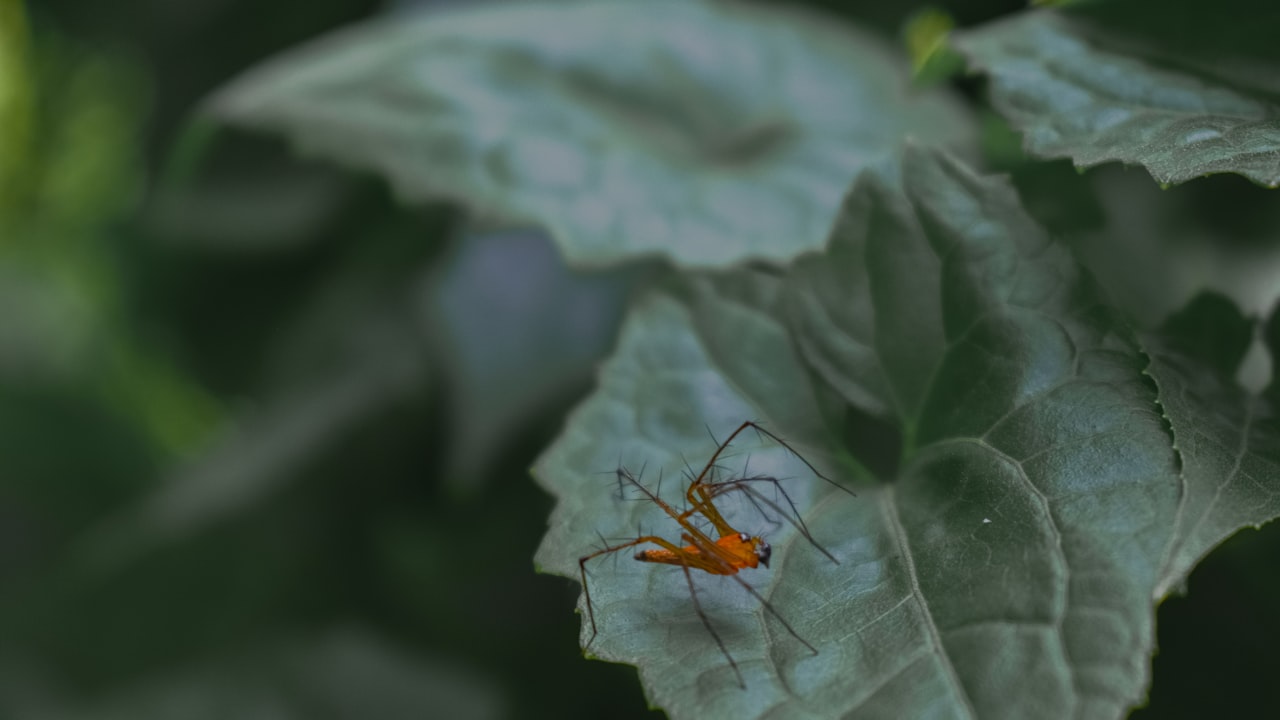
(226, 316)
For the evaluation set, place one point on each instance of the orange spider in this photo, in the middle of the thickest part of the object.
(727, 554)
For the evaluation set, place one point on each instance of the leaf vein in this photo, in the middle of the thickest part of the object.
(1043, 499)
(1241, 449)
(904, 551)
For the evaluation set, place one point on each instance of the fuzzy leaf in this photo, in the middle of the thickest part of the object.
(1007, 569)
(706, 131)
(1184, 90)
(521, 330)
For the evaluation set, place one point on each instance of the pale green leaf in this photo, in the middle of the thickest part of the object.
(705, 131)
(1184, 90)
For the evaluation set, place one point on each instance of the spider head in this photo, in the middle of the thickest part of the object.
(763, 550)
(748, 551)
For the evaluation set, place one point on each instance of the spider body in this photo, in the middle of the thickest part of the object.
(734, 552)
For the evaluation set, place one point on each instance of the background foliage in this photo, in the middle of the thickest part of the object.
(265, 426)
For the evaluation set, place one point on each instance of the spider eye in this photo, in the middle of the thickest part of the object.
(744, 537)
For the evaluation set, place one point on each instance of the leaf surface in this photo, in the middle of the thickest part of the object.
(1184, 90)
(1007, 569)
(705, 131)
(1227, 438)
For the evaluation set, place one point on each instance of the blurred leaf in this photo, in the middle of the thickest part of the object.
(1158, 248)
(348, 674)
(1001, 145)
(16, 105)
(90, 169)
(355, 349)
(265, 450)
(521, 330)
(925, 35)
(709, 132)
(48, 325)
(1211, 330)
(1184, 89)
(69, 144)
(1009, 568)
(1228, 440)
(1060, 197)
(75, 171)
(272, 210)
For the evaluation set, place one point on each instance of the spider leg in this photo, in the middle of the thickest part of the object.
(706, 622)
(697, 495)
(714, 553)
(774, 613)
(793, 517)
(625, 476)
(760, 429)
(712, 565)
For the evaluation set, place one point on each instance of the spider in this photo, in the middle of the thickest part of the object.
(730, 551)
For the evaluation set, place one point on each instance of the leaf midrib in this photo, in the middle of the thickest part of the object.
(889, 507)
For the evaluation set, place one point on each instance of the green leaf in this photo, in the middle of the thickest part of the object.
(17, 105)
(660, 394)
(1182, 90)
(925, 36)
(1228, 439)
(706, 131)
(1009, 566)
